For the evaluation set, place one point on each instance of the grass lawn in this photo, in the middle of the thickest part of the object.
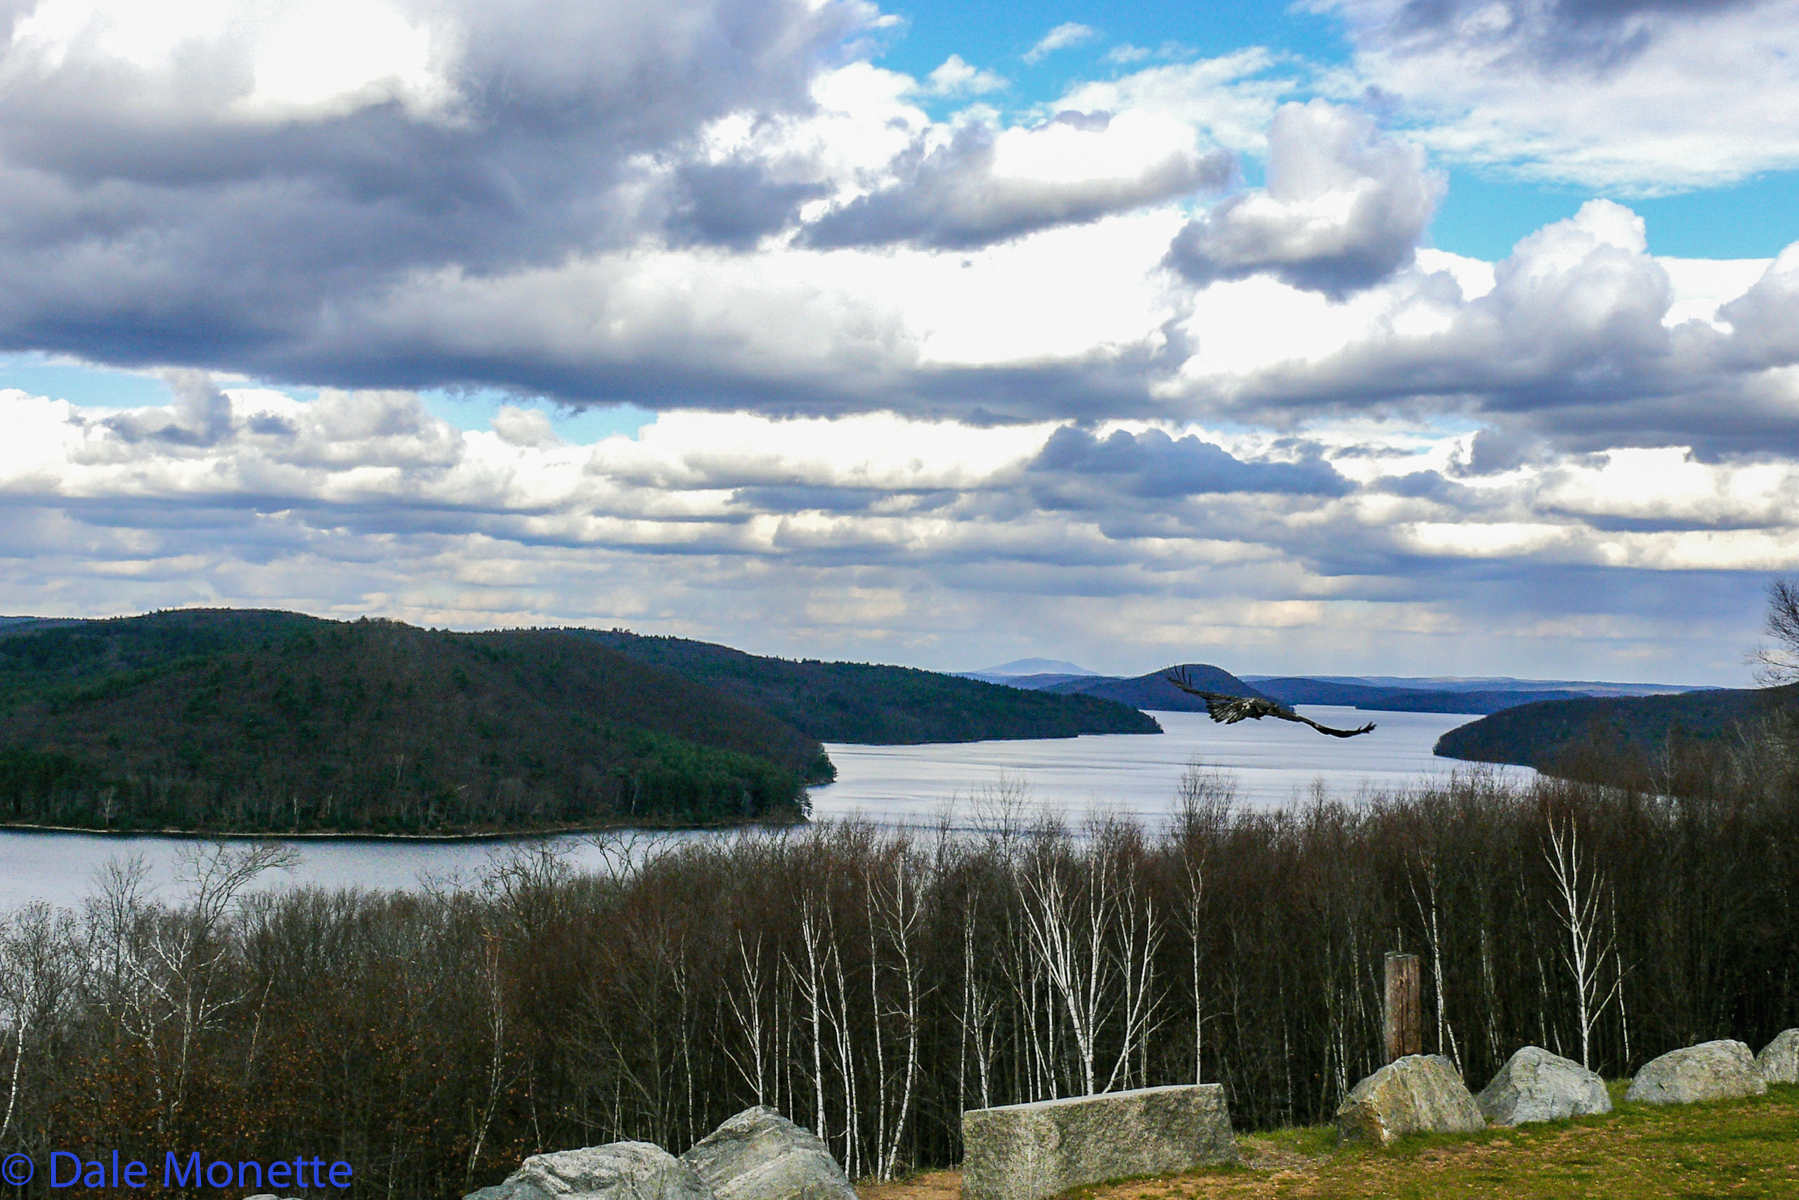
(1745, 1148)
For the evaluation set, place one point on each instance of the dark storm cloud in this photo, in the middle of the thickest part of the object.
(792, 498)
(734, 204)
(1496, 450)
(951, 197)
(1344, 208)
(1153, 466)
(696, 369)
(1423, 485)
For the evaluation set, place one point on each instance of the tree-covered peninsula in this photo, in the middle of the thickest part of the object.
(273, 722)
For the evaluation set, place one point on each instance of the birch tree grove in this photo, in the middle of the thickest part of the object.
(871, 984)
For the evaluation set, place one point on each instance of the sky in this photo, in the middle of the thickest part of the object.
(1401, 337)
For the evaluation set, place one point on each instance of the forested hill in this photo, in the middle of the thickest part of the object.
(267, 721)
(1154, 691)
(876, 705)
(1556, 735)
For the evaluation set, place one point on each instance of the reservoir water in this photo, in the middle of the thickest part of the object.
(1272, 763)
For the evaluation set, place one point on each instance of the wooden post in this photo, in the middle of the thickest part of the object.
(1405, 1026)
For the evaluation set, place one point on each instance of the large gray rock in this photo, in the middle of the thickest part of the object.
(1420, 1093)
(1721, 1070)
(1779, 1060)
(615, 1171)
(1028, 1151)
(1535, 1085)
(761, 1155)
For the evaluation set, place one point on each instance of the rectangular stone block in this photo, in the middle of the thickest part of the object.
(1029, 1151)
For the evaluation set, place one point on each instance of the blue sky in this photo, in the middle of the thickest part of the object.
(999, 36)
(1484, 212)
(1350, 337)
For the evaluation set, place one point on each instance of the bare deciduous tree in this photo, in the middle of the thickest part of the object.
(1779, 663)
(1579, 891)
(39, 968)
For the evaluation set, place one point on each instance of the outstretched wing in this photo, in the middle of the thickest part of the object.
(1228, 710)
(1368, 728)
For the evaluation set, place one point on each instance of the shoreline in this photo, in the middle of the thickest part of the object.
(205, 835)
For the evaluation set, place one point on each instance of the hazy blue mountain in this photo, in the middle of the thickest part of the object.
(1307, 690)
(1026, 668)
(1036, 683)
(1499, 683)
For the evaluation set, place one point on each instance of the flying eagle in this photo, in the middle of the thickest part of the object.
(1228, 710)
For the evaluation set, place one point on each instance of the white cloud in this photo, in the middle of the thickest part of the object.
(1124, 52)
(987, 184)
(1069, 33)
(1661, 98)
(1344, 208)
(524, 427)
(280, 61)
(957, 78)
(1570, 341)
(1230, 99)
(1701, 286)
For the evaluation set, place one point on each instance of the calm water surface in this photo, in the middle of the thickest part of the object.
(1273, 763)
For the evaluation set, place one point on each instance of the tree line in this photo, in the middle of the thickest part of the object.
(873, 704)
(874, 983)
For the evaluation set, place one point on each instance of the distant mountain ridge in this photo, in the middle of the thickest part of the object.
(1375, 693)
(1305, 690)
(1038, 683)
(1030, 666)
(1496, 683)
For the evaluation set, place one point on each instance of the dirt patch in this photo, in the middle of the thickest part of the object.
(1266, 1154)
(926, 1185)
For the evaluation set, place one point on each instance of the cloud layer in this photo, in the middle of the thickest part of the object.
(1164, 361)
(881, 537)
